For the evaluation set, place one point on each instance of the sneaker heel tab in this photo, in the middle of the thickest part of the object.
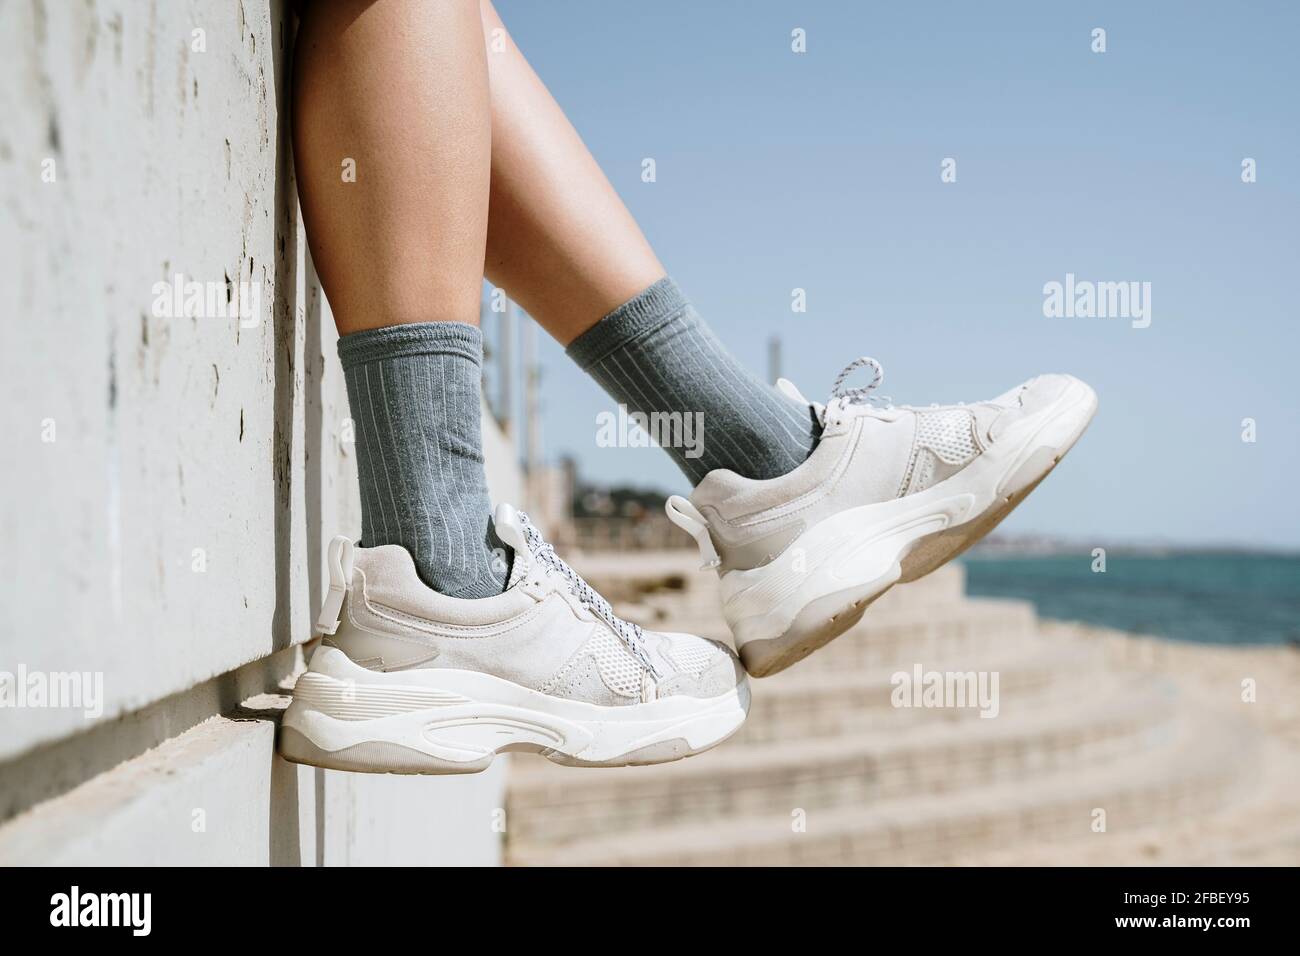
(687, 517)
(791, 391)
(510, 528)
(339, 562)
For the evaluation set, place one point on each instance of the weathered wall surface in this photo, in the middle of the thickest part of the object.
(171, 473)
(177, 441)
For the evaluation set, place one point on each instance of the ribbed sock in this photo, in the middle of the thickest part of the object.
(414, 393)
(654, 354)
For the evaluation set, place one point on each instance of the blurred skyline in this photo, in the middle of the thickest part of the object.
(821, 171)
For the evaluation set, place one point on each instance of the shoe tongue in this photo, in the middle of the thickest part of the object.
(511, 530)
(791, 391)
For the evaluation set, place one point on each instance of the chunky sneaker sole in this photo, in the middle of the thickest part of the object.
(407, 680)
(345, 717)
(825, 578)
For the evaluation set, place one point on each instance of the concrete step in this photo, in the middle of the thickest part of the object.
(942, 586)
(892, 636)
(641, 571)
(816, 702)
(1195, 772)
(554, 805)
(218, 794)
(971, 629)
(1261, 828)
(666, 590)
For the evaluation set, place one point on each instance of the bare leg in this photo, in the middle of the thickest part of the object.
(399, 87)
(560, 241)
(564, 246)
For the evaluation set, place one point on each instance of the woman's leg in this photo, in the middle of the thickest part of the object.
(391, 143)
(392, 138)
(560, 241)
(564, 246)
(413, 680)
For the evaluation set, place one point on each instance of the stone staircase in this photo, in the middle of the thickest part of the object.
(828, 771)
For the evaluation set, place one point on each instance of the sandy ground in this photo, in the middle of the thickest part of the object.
(1262, 828)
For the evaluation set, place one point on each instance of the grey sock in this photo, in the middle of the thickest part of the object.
(654, 354)
(414, 392)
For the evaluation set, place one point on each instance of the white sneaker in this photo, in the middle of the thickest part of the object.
(889, 494)
(408, 680)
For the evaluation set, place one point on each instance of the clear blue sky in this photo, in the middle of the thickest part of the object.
(821, 171)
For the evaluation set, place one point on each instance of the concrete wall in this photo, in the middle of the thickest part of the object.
(171, 477)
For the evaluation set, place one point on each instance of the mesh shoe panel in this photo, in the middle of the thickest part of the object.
(949, 433)
(619, 669)
(691, 654)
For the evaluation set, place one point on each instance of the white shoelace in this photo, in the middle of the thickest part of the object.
(864, 397)
(543, 552)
